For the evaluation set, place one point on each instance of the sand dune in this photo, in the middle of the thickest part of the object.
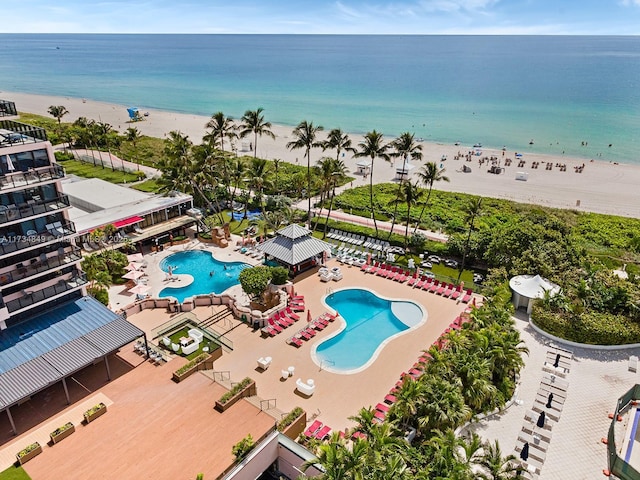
(601, 187)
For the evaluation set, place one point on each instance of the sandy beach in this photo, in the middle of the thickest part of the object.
(601, 187)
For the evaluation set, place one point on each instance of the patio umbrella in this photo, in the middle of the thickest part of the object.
(140, 289)
(557, 361)
(309, 317)
(549, 400)
(524, 453)
(135, 257)
(133, 275)
(540, 422)
(133, 266)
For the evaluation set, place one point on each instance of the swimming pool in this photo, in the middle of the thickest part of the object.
(370, 322)
(209, 275)
(251, 215)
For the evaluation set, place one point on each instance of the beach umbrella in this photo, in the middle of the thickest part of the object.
(133, 266)
(549, 400)
(133, 275)
(309, 317)
(557, 362)
(140, 289)
(524, 453)
(135, 257)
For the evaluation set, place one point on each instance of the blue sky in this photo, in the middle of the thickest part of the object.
(588, 17)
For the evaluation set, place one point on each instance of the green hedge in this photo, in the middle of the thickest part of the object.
(590, 328)
(289, 418)
(199, 359)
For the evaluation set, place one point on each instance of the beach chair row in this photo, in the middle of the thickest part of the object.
(346, 237)
(278, 322)
(375, 244)
(318, 431)
(307, 333)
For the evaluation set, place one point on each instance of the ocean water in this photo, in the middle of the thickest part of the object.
(557, 91)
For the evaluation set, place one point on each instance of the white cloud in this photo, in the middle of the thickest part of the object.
(630, 3)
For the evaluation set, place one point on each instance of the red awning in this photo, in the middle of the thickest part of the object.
(127, 221)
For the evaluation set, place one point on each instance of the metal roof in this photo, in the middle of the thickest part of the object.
(292, 245)
(47, 348)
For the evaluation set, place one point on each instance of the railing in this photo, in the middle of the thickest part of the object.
(20, 133)
(27, 210)
(38, 266)
(10, 242)
(224, 375)
(31, 297)
(270, 403)
(32, 177)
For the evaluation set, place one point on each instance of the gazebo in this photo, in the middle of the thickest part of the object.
(527, 288)
(295, 248)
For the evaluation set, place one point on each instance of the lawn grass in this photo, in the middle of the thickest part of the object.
(88, 170)
(14, 473)
(149, 186)
(184, 332)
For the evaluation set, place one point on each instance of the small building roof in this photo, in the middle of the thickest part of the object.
(294, 244)
(364, 163)
(532, 286)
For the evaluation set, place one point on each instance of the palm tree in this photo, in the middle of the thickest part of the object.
(409, 194)
(259, 178)
(305, 134)
(253, 122)
(133, 135)
(429, 174)
(222, 127)
(57, 111)
(335, 170)
(340, 141)
(471, 211)
(238, 169)
(373, 148)
(498, 467)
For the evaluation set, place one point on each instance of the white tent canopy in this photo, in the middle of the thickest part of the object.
(527, 288)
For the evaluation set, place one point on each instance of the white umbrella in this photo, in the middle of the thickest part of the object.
(140, 289)
(133, 266)
(135, 257)
(133, 275)
(10, 166)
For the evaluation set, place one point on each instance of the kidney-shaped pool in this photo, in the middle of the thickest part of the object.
(370, 321)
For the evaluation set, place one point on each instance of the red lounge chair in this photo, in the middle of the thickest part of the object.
(323, 433)
(401, 277)
(365, 267)
(295, 298)
(456, 293)
(293, 316)
(422, 282)
(427, 285)
(305, 335)
(296, 342)
(413, 281)
(283, 320)
(317, 325)
(323, 321)
(415, 373)
(467, 296)
(358, 435)
(434, 286)
(441, 289)
(311, 332)
(382, 270)
(392, 272)
(390, 399)
(373, 268)
(296, 307)
(379, 415)
(269, 331)
(329, 316)
(448, 291)
(382, 407)
(275, 326)
(313, 428)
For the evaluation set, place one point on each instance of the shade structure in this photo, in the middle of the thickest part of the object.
(133, 275)
(309, 317)
(140, 289)
(135, 257)
(127, 221)
(133, 266)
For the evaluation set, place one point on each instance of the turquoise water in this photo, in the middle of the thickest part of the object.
(559, 91)
(199, 265)
(370, 320)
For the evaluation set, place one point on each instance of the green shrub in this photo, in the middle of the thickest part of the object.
(235, 390)
(254, 280)
(28, 449)
(279, 275)
(62, 156)
(99, 293)
(61, 429)
(94, 409)
(243, 447)
(199, 359)
(289, 418)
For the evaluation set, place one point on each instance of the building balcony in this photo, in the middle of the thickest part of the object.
(42, 264)
(19, 179)
(15, 213)
(30, 298)
(55, 232)
(16, 133)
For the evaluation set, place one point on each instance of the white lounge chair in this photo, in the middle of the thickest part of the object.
(307, 388)
(264, 362)
(326, 276)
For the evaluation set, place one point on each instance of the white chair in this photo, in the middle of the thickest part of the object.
(175, 347)
(285, 374)
(326, 276)
(166, 341)
(307, 388)
(264, 362)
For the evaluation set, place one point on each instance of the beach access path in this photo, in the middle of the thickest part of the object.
(602, 187)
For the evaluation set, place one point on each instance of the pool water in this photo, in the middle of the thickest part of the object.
(251, 215)
(209, 275)
(371, 321)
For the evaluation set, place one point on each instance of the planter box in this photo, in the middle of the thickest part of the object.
(33, 453)
(294, 429)
(206, 364)
(62, 435)
(249, 391)
(88, 418)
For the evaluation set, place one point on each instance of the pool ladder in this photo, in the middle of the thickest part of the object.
(329, 291)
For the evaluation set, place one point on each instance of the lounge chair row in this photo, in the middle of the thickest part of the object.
(278, 322)
(327, 275)
(296, 303)
(318, 431)
(307, 333)
(346, 237)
